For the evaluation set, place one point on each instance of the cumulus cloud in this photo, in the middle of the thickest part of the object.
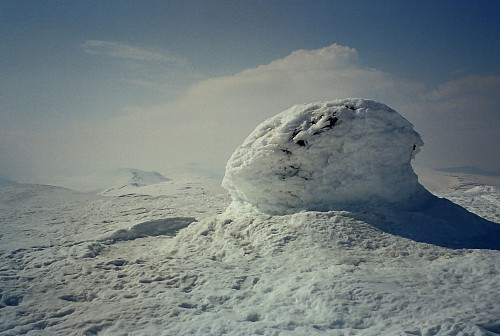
(214, 116)
(305, 75)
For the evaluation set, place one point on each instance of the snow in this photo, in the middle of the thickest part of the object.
(440, 181)
(481, 200)
(159, 227)
(326, 156)
(237, 271)
(181, 257)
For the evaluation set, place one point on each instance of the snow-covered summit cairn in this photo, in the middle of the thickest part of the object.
(326, 156)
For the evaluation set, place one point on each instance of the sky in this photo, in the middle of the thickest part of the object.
(87, 86)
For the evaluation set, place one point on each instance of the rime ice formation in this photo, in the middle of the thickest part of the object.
(326, 155)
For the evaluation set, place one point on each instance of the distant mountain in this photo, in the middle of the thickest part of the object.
(127, 179)
(136, 177)
(113, 180)
(470, 170)
(5, 181)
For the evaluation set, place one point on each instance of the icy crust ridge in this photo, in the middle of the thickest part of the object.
(326, 156)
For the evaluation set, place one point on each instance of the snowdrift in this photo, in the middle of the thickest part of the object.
(326, 156)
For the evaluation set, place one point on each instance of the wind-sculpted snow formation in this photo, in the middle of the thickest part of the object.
(326, 156)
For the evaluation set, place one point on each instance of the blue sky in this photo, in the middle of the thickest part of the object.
(90, 85)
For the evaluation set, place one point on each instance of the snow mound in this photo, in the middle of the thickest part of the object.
(326, 156)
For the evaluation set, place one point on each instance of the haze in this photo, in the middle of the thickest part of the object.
(89, 86)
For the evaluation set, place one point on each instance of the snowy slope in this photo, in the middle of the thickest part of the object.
(482, 200)
(439, 181)
(53, 241)
(74, 264)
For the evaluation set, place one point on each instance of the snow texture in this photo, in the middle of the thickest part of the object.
(325, 156)
(82, 264)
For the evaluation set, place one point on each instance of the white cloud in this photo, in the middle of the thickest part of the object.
(214, 116)
(121, 50)
(303, 76)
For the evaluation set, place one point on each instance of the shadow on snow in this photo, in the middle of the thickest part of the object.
(437, 221)
(160, 227)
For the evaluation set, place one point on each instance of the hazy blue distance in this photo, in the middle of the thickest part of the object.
(49, 80)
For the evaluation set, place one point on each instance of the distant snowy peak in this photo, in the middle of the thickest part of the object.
(139, 178)
(128, 178)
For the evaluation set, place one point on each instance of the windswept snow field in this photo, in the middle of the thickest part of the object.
(81, 264)
(327, 232)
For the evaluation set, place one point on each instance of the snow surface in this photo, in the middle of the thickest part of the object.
(326, 156)
(440, 181)
(81, 264)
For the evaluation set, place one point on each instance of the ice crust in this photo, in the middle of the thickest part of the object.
(326, 156)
